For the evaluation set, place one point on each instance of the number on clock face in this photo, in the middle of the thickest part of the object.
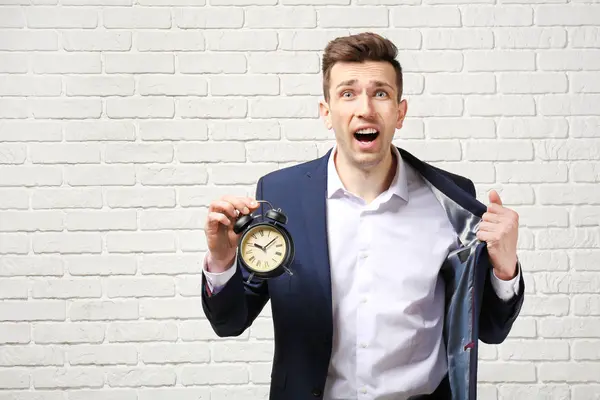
(263, 248)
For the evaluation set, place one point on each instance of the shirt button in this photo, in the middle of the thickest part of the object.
(363, 345)
(363, 300)
(363, 390)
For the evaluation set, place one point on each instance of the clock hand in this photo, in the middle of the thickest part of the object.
(270, 243)
(259, 246)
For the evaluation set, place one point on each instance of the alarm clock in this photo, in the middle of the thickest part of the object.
(265, 248)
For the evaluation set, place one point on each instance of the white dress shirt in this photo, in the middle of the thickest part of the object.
(388, 297)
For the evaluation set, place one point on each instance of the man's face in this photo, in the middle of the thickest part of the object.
(363, 110)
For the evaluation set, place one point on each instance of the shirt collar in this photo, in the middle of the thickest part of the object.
(398, 187)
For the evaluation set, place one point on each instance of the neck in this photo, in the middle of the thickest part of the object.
(367, 183)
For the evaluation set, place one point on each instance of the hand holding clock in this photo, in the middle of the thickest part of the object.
(221, 239)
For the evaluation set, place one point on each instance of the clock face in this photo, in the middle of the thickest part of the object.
(263, 248)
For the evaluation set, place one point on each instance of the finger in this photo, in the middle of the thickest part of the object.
(495, 209)
(485, 236)
(488, 226)
(223, 207)
(490, 217)
(495, 198)
(240, 203)
(215, 218)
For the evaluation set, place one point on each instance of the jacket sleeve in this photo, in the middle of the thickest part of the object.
(497, 316)
(235, 307)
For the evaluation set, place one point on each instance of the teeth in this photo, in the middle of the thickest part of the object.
(366, 131)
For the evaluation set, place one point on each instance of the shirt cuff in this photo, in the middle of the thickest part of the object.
(506, 290)
(217, 280)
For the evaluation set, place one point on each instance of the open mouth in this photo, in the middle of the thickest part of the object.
(366, 135)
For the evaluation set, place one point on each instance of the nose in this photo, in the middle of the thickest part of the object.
(364, 107)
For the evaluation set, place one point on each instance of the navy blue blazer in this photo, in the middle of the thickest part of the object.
(301, 304)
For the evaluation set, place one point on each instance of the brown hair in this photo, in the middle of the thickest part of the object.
(361, 47)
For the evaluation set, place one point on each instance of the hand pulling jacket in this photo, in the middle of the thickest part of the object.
(301, 304)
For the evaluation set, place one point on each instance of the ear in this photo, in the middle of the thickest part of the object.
(325, 114)
(402, 108)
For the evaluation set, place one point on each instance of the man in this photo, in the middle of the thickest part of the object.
(398, 271)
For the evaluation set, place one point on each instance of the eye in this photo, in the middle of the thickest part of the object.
(381, 92)
(346, 93)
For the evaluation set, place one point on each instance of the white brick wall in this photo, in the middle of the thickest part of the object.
(119, 122)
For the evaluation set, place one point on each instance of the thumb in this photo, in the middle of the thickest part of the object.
(495, 198)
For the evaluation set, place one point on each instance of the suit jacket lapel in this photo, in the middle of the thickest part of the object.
(314, 197)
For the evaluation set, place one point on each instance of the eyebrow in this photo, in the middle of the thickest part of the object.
(376, 83)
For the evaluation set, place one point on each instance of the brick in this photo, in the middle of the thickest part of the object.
(77, 131)
(276, 152)
(451, 128)
(506, 105)
(478, 172)
(532, 172)
(191, 241)
(49, 198)
(584, 37)
(546, 391)
(570, 327)
(245, 130)
(14, 288)
(16, 199)
(535, 350)
(568, 105)
(536, 83)
(85, 40)
(179, 308)
(173, 130)
(567, 238)
(511, 194)
(521, 128)
(283, 63)
(173, 175)
(12, 17)
(15, 333)
(151, 107)
(33, 310)
(209, 18)
(284, 107)
(151, 242)
(458, 39)
(211, 152)
(100, 86)
(17, 108)
(189, 285)
(301, 84)
(90, 175)
(586, 216)
(169, 85)
(140, 197)
(262, 328)
(569, 194)
(461, 83)
(568, 372)
(426, 16)
(30, 131)
(97, 2)
(305, 129)
(14, 63)
(136, 18)
(31, 266)
(201, 330)
(139, 153)
(253, 392)
(232, 174)
(63, 378)
(141, 63)
(586, 350)
(499, 60)
(430, 61)
(436, 106)
(585, 391)
(140, 287)
(13, 153)
(66, 243)
(541, 306)
(98, 310)
(585, 82)
(84, 265)
(569, 60)
(560, 282)
(492, 15)
(172, 219)
(530, 38)
(101, 220)
(586, 305)
(214, 107)
(212, 63)
(508, 150)
(145, 376)
(507, 371)
(11, 356)
(72, 153)
(214, 375)
(14, 221)
(170, 264)
(27, 175)
(242, 351)
(177, 392)
(14, 379)
(80, 108)
(543, 217)
(26, 40)
(64, 17)
(571, 15)
(285, 17)
(307, 39)
(102, 354)
(14, 243)
(164, 353)
(41, 86)
(67, 63)
(170, 41)
(571, 150)
(244, 85)
(71, 333)
(585, 172)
